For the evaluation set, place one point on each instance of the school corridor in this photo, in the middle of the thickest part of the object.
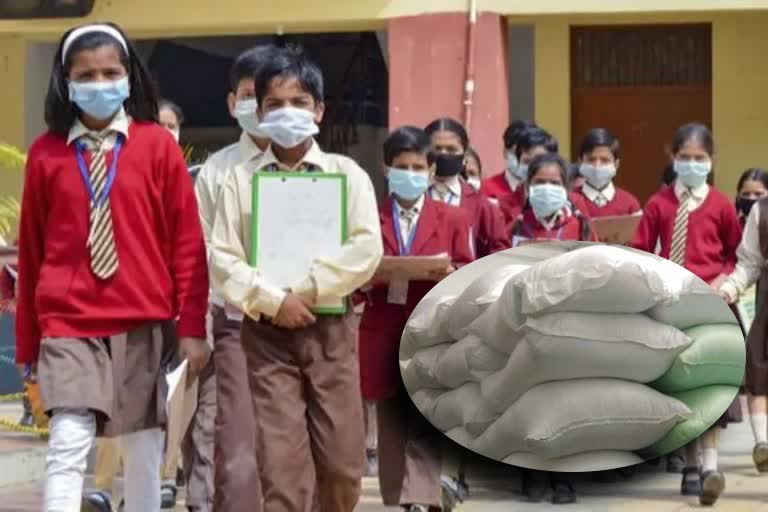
(494, 488)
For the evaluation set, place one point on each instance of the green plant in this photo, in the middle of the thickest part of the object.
(11, 160)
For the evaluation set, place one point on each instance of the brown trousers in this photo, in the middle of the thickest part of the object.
(307, 402)
(236, 475)
(197, 446)
(409, 455)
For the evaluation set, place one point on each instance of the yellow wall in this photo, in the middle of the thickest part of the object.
(12, 71)
(740, 82)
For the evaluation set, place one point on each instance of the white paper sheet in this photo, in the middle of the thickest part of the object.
(298, 219)
(173, 379)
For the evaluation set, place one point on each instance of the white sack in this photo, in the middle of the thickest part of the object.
(426, 325)
(557, 419)
(460, 436)
(483, 292)
(468, 360)
(420, 372)
(499, 325)
(599, 279)
(699, 304)
(580, 462)
(562, 346)
(451, 407)
(425, 400)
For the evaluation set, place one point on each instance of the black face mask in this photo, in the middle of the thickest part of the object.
(744, 205)
(449, 165)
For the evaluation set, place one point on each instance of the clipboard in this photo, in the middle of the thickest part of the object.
(413, 267)
(297, 217)
(616, 229)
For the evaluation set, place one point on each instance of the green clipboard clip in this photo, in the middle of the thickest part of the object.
(333, 306)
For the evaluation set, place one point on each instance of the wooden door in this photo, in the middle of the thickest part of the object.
(641, 83)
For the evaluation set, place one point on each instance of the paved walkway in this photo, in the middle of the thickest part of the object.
(494, 487)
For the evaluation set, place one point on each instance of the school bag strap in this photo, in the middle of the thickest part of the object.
(763, 226)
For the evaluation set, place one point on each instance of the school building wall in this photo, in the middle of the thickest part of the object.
(740, 106)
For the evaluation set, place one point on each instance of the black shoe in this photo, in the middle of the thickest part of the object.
(450, 493)
(535, 485)
(562, 492)
(712, 486)
(675, 463)
(691, 484)
(760, 457)
(27, 420)
(168, 496)
(96, 502)
(463, 488)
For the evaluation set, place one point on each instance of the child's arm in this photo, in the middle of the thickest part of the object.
(188, 264)
(31, 254)
(358, 260)
(750, 259)
(231, 274)
(648, 230)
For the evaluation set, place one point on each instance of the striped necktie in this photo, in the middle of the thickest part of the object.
(101, 239)
(409, 216)
(680, 232)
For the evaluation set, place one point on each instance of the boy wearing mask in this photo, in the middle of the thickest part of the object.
(303, 369)
(237, 486)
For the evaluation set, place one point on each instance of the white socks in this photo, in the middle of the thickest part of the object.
(759, 427)
(142, 455)
(710, 459)
(72, 433)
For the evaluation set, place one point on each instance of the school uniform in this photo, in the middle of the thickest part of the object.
(751, 267)
(485, 218)
(566, 224)
(504, 190)
(706, 245)
(512, 205)
(237, 487)
(102, 343)
(305, 383)
(607, 202)
(409, 463)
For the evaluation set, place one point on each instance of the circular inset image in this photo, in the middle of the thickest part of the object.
(572, 356)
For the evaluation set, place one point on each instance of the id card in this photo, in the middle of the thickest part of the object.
(398, 290)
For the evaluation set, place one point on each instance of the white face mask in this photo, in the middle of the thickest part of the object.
(289, 126)
(512, 164)
(245, 113)
(598, 177)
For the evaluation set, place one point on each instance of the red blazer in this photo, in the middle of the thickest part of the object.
(496, 187)
(571, 226)
(441, 229)
(486, 220)
(623, 203)
(714, 232)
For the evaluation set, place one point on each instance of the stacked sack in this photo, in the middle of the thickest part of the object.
(576, 363)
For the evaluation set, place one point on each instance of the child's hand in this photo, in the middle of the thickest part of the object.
(727, 297)
(294, 313)
(718, 282)
(442, 274)
(197, 353)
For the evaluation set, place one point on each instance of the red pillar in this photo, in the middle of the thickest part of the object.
(427, 71)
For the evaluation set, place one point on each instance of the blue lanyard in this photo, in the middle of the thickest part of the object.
(403, 249)
(86, 175)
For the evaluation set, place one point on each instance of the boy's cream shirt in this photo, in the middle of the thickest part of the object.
(244, 286)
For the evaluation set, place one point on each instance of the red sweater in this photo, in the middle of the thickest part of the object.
(623, 203)
(162, 270)
(714, 232)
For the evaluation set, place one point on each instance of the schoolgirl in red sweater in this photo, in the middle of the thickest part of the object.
(599, 162)
(450, 143)
(412, 224)
(548, 213)
(112, 265)
(698, 228)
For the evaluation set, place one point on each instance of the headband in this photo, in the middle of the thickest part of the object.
(87, 29)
